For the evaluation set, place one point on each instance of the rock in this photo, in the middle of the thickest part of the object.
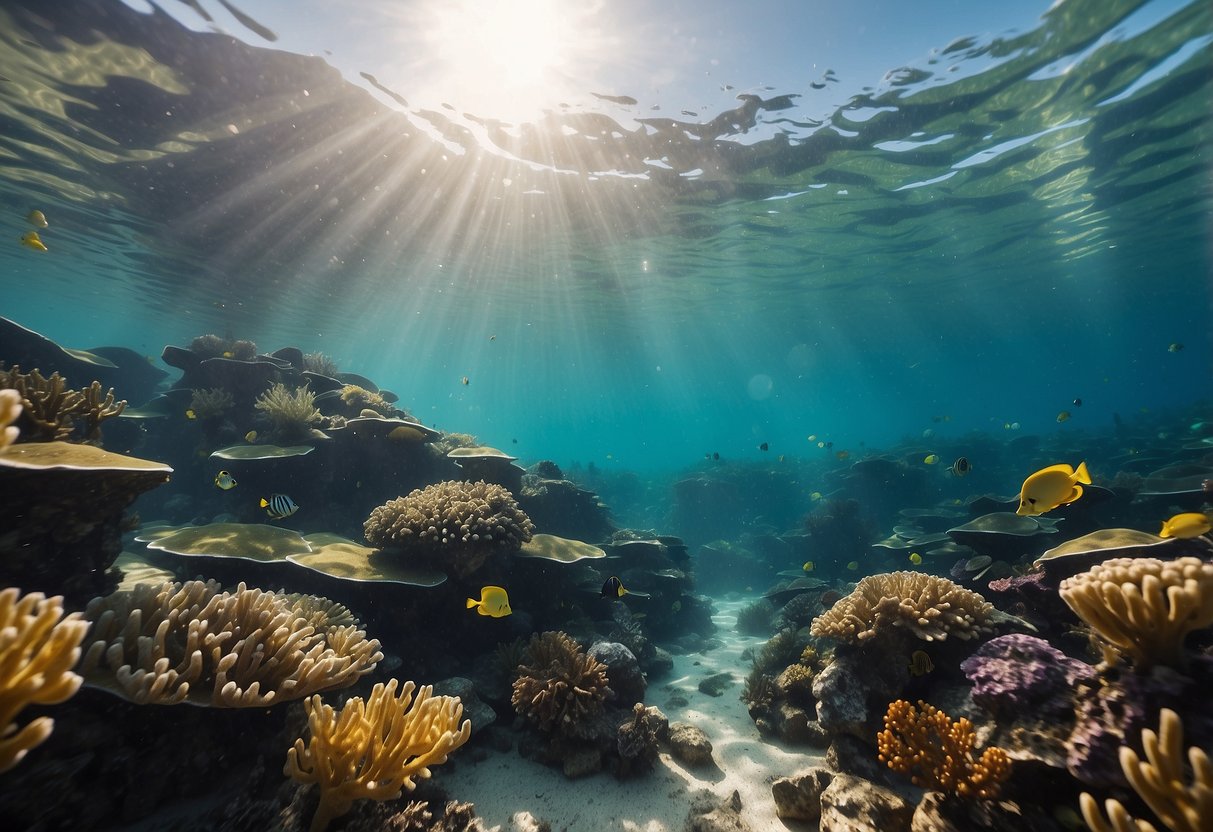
(623, 671)
(499, 739)
(689, 744)
(481, 715)
(660, 664)
(582, 762)
(799, 797)
(716, 684)
(852, 804)
(526, 822)
(938, 813)
(852, 755)
(797, 726)
(709, 815)
(842, 698)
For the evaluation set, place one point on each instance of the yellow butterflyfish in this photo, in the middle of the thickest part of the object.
(1048, 488)
(494, 602)
(1187, 525)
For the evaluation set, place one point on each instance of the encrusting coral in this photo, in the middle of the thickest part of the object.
(559, 687)
(937, 753)
(248, 648)
(39, 646)
(291, 413)
(374, 749)
(1161, 783)
(925, 606)
(50, 410)
(452, 525)
(1144, 607)
(10, 409)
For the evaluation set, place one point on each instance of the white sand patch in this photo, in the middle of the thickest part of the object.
(506, 784)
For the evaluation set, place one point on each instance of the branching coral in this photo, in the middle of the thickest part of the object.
(559, 688)
(453, 525)
(1144, 607)
(248, 648)
(291, 413)
(50, 410)
(937, 753)
(373, 749)
(38, 648)
(211, 403)
(926, 606)
(10, 409)
(1161, 783)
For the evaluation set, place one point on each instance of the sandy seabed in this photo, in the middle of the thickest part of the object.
(505, 784)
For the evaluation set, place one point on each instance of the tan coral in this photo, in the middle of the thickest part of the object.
(1161, 783)
(559, 687)
(926, 606)
(374, 749)
(51, 409)
(38, 648)
(937, 753)
(211, 403)
(10, 409)
(247, 648)
(291, 413)
(1144, 607)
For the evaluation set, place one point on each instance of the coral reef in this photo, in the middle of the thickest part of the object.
(638, 739)
(291, 413)
(452, 525)
(39, 646)
(799, 611)
(925, 743)
(928, 607)
(1143, 608)
(50, 411)
(1015, 672)
(756, 619)
(249, 648)
(1161, 784)
(374, 749)
(211, 403)
(10, 409)
(358, 399)
(320, 364)
(559, 688)
(212, 346)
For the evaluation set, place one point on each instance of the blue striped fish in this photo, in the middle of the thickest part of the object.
(279, 506)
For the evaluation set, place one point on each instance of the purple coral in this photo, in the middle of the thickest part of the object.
(1012, 672)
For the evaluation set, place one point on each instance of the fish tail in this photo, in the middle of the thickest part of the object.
(264, 502)
(1082, 474)
(472, 602)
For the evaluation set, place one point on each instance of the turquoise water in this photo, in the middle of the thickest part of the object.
(1014, 221)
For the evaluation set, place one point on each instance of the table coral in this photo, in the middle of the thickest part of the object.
(937, 753)
(248, 648)
(1161, 783)
(1144, 607)
(452, 525)
(928, 607)
(38, 648)
(374, 749)
(559, 687)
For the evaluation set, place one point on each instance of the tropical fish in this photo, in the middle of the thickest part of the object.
(961, 466)
(225, 480)
(915, 558)
(930, 459)
(37, 218)
(1176, 347)
(920, 663)
(1186, 525)
(812, 437)
(251, 436)
(764, 447)
(612, 587)
(493, 602)
(1063, 416)
(815, 496)
(30, 239)
(229, 354)
(190, 414)
(853, 565)
(780, 458)
(465, 381)
(1078, 402)
(1048, 488)
(809, 566)
(821, 444)
(279, 506)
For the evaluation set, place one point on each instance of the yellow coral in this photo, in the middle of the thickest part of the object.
(1161, 783)
(938, 753)
(929, 607)
(290, 412)
(1144, 607)
(374, 749)
(10, 409)
(37, 653)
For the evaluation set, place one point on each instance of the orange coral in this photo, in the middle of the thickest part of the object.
(937, 753)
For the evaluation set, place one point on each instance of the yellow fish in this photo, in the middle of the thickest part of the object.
(920, 663)
(1063, 416)
(190, 414)
(225, 480)
(1048, 488)
(853, 565)
(812, 437)
(251, 436)
(229, 354)
(37, 218)
(809, 566)
(30, 239)
(493, 602)
(930, 459)
(915, 558)
(815, 496)
(1186, 525)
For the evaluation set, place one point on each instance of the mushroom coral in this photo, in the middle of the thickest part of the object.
(929, 607)
(1144, 607)
(249, 648)
(937, 753)
(38, 648)
(1160, 782)
(374, 749)
(559, 687)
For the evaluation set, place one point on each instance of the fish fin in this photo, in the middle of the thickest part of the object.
(1164, 532)
(622, 591)
(1074, 495)
(1081, 474)
(1065, 468)
(264, 502)
(482, 611)
(506, 611)
(472, 602)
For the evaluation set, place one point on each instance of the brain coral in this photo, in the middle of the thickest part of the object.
(928, 607)
(454, 525)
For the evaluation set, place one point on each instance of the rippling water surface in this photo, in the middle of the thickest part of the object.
(1010, 222)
